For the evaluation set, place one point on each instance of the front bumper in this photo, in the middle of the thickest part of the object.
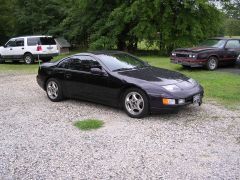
(189, 61)
(156, 102)
(40, 82)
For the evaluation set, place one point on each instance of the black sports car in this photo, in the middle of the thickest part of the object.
(118, 79)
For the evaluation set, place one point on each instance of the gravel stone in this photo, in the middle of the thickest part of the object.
(38, 139)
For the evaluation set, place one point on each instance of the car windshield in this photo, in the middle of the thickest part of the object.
(121, 61)
(218, 43)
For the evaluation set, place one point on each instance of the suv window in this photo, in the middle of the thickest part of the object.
(33, 41)
(83, 63)
(233, 44)
(47, 41)
(11, 43)
(19, 42)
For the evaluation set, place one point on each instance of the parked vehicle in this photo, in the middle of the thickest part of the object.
(118, 79)
(209, 54)
(29, 49)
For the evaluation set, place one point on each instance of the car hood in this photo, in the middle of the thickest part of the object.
(195, 49)
(153, 75)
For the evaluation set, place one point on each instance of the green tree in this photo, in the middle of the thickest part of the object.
(7, 20)
(232, 8)
(170, 23)
(37, 16)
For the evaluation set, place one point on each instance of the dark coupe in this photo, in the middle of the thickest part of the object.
(118, 79)
(209, 54)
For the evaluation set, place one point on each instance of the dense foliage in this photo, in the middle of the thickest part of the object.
(232, 10)
(122, 24)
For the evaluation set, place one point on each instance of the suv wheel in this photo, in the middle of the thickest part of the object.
(28, 58)
(1, 60)
(212, 63)
(54, 90)
(135, 103)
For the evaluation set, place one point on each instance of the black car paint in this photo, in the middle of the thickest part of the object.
(109, 87)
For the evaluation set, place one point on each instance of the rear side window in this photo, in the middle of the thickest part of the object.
(33, 41)
(47, 41)
(63, 64)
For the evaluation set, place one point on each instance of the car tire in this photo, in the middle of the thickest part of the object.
(212, 63)
(54, 90)
(185, 67)
(28, 58)
(135, 103)
(2, 61)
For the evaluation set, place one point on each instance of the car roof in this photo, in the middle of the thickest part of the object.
(105, 52)
(33, 36)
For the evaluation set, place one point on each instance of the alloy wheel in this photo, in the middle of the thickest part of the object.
(28, 59)
(52, 90)
(134, 103)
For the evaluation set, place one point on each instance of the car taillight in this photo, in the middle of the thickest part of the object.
(39, 48)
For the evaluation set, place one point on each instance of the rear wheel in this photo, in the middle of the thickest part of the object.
(1, 60)
(28, 58)
(212, 63)
(54, 90)
(135, 103)
(185, 67)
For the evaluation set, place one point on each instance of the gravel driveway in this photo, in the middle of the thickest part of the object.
(38, 139)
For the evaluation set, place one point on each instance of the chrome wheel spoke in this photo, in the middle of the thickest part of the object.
(52, 90)
(134, 103)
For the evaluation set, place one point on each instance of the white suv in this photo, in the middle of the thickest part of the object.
(29, 49)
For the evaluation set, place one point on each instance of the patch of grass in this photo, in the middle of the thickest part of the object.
(10, 67)
(89, 124)
(220, 86)
(20, 67)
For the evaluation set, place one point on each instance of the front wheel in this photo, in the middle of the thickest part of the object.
(212, 63)
(54, 90)
(135, 103)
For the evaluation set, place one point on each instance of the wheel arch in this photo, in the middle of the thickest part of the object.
(129, 86)
(213, 55)
(27, 53)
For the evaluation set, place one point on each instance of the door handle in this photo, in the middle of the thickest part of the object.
(10, 48)
(22, 48)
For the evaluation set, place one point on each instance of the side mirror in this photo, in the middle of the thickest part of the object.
(97, 71)
(4, 46)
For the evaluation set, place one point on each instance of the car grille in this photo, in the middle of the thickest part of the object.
(182, 55)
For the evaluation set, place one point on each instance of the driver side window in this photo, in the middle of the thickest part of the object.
(83, 63)
(11, 43)
(233, 44)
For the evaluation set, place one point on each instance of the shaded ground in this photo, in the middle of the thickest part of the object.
(38, 139)
(231, 69)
